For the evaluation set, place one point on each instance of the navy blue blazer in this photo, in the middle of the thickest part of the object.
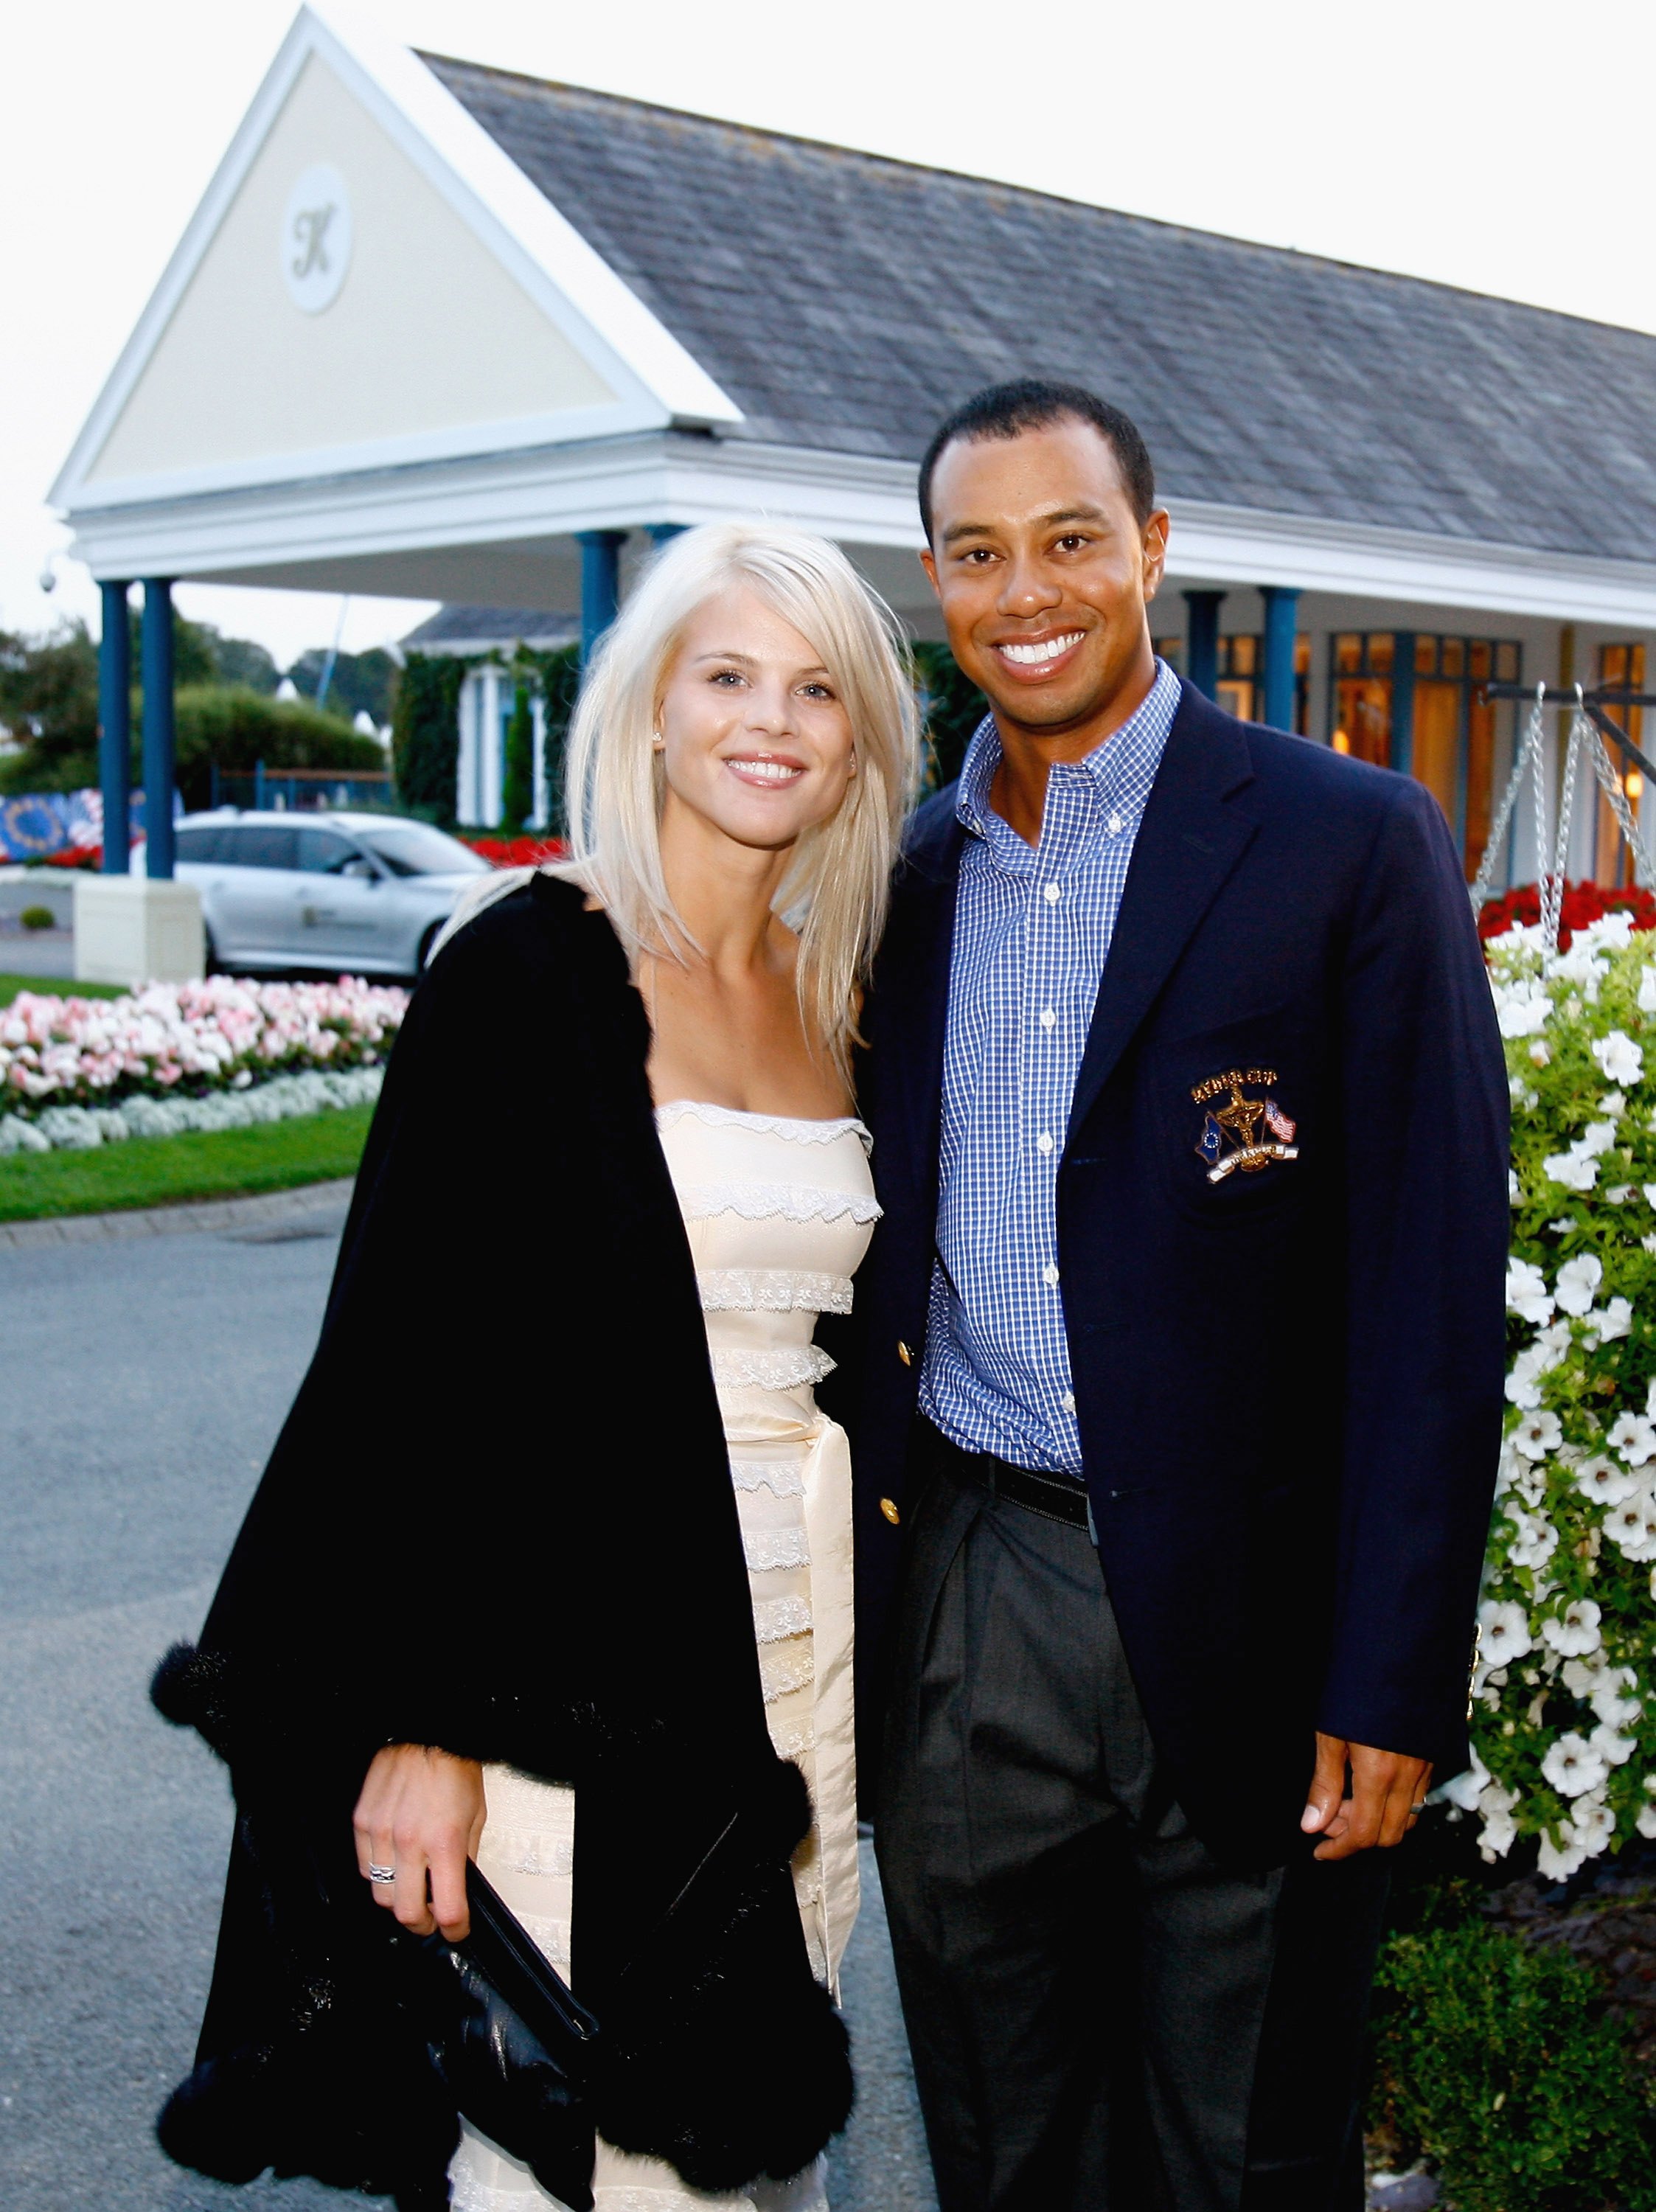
(1289, 1379)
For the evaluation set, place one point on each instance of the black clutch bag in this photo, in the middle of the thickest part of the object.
(513, 2045)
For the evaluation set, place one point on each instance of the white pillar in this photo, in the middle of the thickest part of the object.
(490, 765)
(541, 808)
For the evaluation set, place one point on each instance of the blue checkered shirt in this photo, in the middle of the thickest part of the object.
(1033, 926)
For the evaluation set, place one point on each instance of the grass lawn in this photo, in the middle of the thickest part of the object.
(55, 987)
(167, 1170)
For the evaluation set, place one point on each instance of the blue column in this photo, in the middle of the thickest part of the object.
(1402, 754)
(115, 727)
(1281, 628)
(660, 533)
(1202, 640)
(600, 584)
(159, 739)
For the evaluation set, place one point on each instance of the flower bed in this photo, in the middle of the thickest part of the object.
(221, 1054)
(1565, 1739)
(517, 852)
(1583, 902)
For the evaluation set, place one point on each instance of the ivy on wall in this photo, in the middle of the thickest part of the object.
(424, 732)
(951, 707)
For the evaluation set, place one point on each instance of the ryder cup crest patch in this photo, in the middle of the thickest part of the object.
(1240, 1134)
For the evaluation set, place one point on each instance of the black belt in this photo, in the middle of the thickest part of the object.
(1054, 1497)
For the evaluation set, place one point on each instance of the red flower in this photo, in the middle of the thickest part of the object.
(517, 852)
(1583, 902)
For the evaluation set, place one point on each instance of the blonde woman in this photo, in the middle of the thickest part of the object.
(552, 1563)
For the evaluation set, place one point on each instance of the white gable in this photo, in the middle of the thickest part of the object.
(370, 283)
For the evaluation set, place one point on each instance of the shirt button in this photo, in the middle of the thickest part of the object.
(1043, 1142)
(1115, 825)
(1068, 1402)
(1049, 1274)
(1048, 1017)
(905, 1355)
(890, 1511)
(1052, 894)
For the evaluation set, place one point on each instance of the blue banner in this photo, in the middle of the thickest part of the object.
(42, 823)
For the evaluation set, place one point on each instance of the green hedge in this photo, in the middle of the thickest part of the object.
(424, 732)
(236, 728)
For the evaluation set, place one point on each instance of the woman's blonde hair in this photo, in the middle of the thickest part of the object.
(835, 889)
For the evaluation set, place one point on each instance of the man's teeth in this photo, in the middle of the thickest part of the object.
(1032, 656)
(771, 771)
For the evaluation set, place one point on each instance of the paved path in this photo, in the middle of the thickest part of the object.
(141, 1383)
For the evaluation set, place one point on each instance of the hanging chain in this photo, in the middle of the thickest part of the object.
(1492, 850)
(1644, 871)
(1552, 887)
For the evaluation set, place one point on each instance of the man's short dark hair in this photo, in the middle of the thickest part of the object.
(1006, 410)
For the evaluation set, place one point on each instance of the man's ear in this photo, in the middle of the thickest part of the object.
(1155, 550)
(929, 562)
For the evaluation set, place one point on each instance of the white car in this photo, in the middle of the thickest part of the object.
(359, 893)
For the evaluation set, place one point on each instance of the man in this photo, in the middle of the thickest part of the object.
(1181, 1375)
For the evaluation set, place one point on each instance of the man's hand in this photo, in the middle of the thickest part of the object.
(1388, 1790)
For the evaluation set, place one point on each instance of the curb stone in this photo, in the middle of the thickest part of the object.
(270, 1210)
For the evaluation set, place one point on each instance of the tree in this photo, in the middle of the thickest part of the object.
(49, 700)
(517, 785)
(361, 683)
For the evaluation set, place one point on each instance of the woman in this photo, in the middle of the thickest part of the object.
(518, 1551)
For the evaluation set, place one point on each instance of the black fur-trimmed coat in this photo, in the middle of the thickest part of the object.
(499, 1520)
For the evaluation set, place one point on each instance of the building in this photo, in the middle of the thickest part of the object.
(439, 330)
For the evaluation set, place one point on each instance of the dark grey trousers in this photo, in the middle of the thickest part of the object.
(1103, 2017)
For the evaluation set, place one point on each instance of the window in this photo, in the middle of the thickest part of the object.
(1621, 668)
(413, 849)
(1426, 714)
(260, 845)
(324, 852)
(199, 846)
(1240, 689)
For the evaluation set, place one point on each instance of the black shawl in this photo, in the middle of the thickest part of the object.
(500, 1520)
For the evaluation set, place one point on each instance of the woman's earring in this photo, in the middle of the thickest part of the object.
(657, 742)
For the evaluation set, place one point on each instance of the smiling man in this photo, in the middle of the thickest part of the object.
(1180, 1378)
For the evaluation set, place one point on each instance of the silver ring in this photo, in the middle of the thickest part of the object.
(1420, 1807)
(381, 1874)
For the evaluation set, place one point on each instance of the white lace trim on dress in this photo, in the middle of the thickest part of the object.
(771, 1289)
(551, 1935)
(782, 1478)
(766, 1548)
(784, 1671)
(784, 1370)
(530, 1851)
(796, 1740)
(774, 1201)
(779, 1125)
(776, 1618)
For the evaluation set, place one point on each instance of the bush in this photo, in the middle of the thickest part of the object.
(951, 707)
(424, 732)
(38, 917)
(1497, 2062)
(236, 727)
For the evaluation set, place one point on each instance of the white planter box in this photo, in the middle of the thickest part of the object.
(131, 930)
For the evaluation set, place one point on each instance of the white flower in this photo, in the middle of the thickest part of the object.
(1578, 1282)
(1619, 1194)
(1597, 1137)
(1631, 1527)
(1558, 1862)
(1534, 1540)
(1522, 1010)
(1574, 1170)
(1617, 1750)
(1540, 1054)
(1506, 1634)
(1623, 1061)
(1632, 1435)
(1594, 1825)
(1573, 1766)
(1609, 1321)
(1584, 1676)
(1614, 1104)
(1646, 1823)
(1465, 1788)
(1650, 1400)
(1498, 1834)
(1601, 1479)
(1614, 1710)
(1538, 1433)
(1647, 991)
(1576, 1631)
(1526, 1291)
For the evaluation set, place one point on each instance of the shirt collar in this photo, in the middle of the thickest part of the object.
(1121, 770)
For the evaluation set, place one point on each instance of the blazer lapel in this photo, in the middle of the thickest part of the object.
(912, 1022)
(1191, 836)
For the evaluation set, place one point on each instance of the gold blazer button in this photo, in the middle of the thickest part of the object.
(905, 1355)
(890, 1511)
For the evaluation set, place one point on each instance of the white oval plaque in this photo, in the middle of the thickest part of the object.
(316, 238)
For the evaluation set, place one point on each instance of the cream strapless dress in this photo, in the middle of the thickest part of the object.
(778, 1214)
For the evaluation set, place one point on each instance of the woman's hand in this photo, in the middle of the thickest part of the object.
(422, 1812)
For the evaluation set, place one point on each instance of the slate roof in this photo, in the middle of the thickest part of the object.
(845, 301)
(457, 628)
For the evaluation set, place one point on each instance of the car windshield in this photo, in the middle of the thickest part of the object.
(414, 848)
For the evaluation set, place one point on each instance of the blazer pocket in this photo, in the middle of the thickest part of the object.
(1233, 1109)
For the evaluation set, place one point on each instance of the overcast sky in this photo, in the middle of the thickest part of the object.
(1506, 147)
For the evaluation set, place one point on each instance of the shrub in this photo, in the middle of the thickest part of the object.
(236, 727)
(1498, 2063)
(38, 917)
(1563, 1729)
(951, 707)
(518, 792)
(425, 733)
